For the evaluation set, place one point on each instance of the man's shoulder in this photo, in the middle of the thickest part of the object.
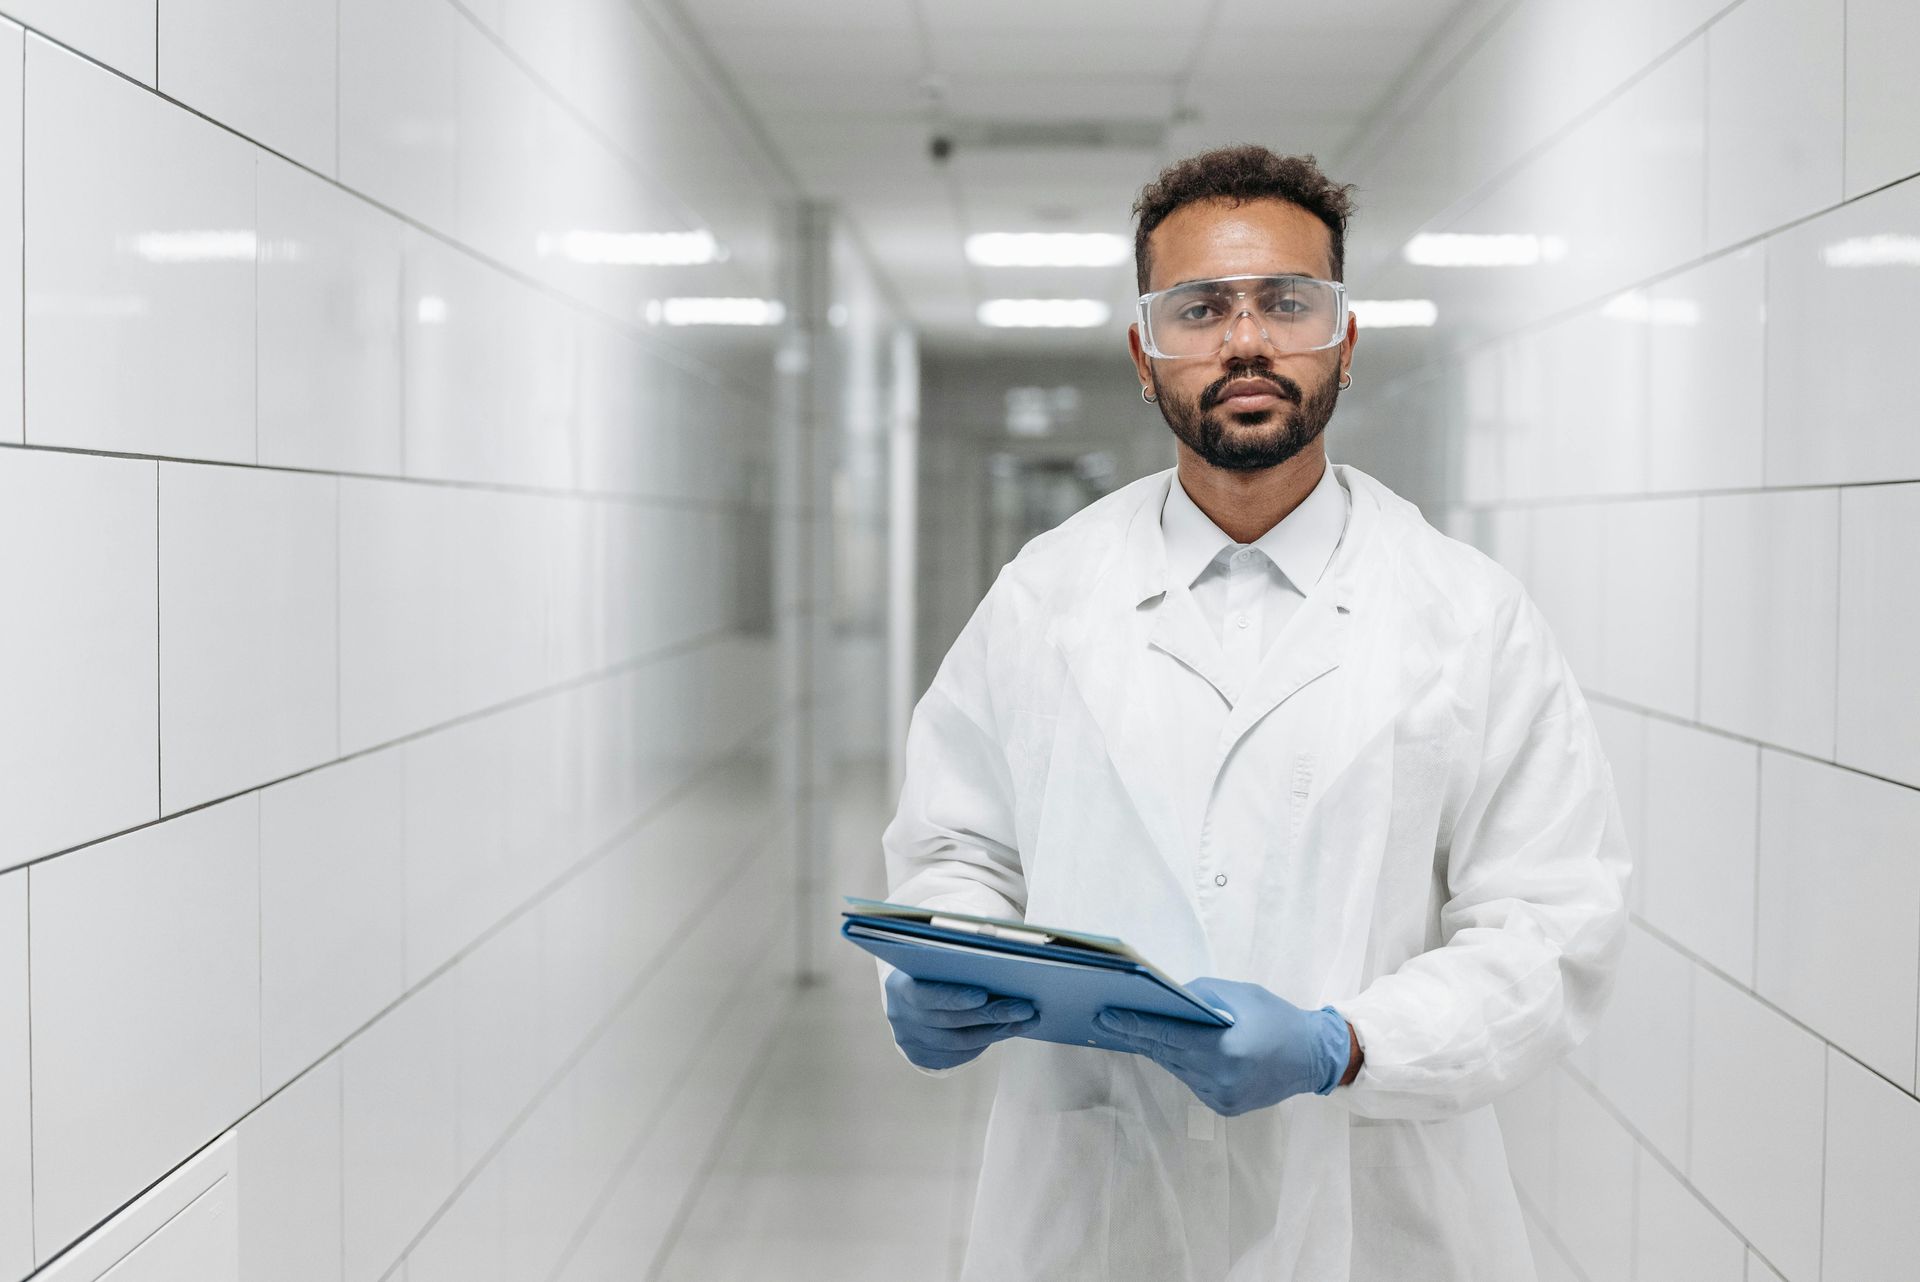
(1471, 580)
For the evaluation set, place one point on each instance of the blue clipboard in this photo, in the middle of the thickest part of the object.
(1069, 976)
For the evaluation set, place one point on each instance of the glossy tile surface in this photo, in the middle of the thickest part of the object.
(1675, 1235)
(1758, 1086)
(120, 33)
(265, 70)
(1593, 1184)
(489, 370)
(1769, 616)
(1879, 703)
(12, 284)
(79, 693)
(401, 1129)
(1705, 374)
(332, 875)
(1642, 1046)
(1883, 101)
(146, 1034)
(329, 339)
(16, 1118)
(1840, 388)
(1651, 633)
(140, 267)
(247, 618)
(1771, 158)
(1839, 921)
(1873, 1176)
(1702, 799)
(290, 1182)
(398, 104)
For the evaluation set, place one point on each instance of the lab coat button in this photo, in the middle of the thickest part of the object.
(1220, 880)
(1242, 620)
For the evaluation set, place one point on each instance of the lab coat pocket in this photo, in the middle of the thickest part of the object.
(1427, 1205)
(1055, 1127)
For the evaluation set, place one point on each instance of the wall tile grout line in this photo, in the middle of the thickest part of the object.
(1556, 501)
(602, 1199)
(633, 331)
(756, 849)
(33, 1155)
(671, 650)
(606, 497)
(1587, 305)
(746, 744)
(1763, 1000)
(1661, 714)
(159, 674)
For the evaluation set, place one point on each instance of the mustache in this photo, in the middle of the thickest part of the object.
(1283, 386)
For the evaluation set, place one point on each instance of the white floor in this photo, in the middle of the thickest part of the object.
(841, 1162)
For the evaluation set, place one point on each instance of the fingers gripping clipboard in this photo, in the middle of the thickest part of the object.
(1068, 975)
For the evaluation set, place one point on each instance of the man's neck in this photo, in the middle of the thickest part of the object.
(1245, 505)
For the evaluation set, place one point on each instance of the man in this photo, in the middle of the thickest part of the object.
(1259, 719)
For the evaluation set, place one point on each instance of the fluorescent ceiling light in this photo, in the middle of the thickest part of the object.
(1636, 305)
(1047, 249)
(715, 311)
(192, 246)
(633, 248)
(1483, 249)
(1394, 313)
(1883, 250)
(1043, 313)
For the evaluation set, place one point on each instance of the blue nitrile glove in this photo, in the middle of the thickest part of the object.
(941, 1025)
(1274, 1049)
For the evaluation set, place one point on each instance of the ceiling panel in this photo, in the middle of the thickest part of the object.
(1158, 53)
(803, 15)
(1053, 15)
(1066, 98)
(852, 91)
(750, 54)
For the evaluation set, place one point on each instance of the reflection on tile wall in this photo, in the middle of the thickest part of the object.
(388, 685)
(1688, 424)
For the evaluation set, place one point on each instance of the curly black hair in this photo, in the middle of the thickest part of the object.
(1237, 175)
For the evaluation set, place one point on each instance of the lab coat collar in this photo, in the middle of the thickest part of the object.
(1300, 543)
(1104, 637)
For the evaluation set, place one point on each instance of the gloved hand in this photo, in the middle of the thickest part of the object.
(1274, 1049)
(941, 1025)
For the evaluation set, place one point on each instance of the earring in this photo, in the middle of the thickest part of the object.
(1346, 380)
(1146, 396)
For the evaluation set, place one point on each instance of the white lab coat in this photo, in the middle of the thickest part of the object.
(1454, 884)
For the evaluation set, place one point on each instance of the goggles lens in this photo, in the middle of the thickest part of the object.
(1294, 313)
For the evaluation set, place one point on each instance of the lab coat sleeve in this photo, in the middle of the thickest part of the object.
(952, 842)
(1535, 918)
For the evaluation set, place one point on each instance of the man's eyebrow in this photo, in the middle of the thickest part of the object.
(1200, 280)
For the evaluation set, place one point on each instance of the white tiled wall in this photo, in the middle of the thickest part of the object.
(391, 687)
(1692, 434)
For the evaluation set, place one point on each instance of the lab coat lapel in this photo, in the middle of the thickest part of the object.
(1310, 646)
(1105, 644)
(1181, 631)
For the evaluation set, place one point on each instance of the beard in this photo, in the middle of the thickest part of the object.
(1257, 440)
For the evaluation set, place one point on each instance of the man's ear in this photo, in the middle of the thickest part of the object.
(1141, 366)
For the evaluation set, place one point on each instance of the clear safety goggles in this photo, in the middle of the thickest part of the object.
(1196, 317)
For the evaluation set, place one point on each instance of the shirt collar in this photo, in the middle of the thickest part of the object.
(1301, 544)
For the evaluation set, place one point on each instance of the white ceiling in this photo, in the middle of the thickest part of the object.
(852, 91)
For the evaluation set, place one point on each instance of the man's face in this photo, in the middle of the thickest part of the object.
(1247, 406)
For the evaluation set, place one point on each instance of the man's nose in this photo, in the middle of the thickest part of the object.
(1247, 336)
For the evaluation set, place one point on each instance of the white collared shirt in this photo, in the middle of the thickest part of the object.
(1231, 603)
(1248, 591)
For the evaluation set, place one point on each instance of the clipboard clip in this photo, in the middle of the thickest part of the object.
(991, 931)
